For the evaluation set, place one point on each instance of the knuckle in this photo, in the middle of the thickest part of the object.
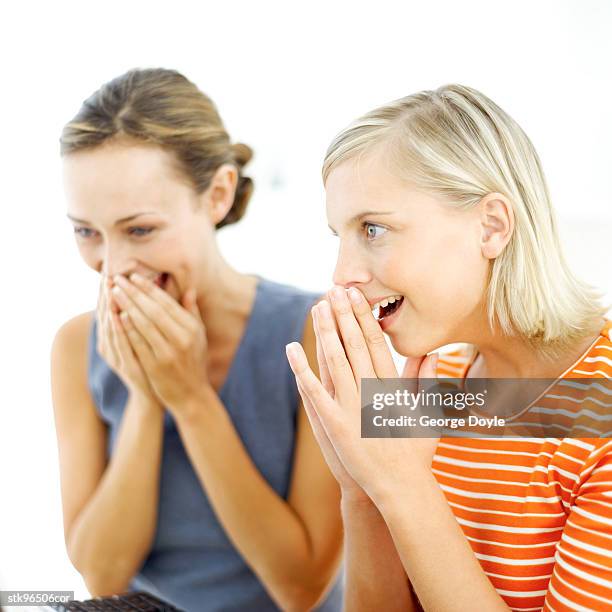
(375, 338)
(183, 344)
(343, 309)
(338, 360)
(355, 342)
(166, 358)
(363, 309)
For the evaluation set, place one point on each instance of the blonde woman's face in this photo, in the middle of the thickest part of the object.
(132, 212)
(398, 241)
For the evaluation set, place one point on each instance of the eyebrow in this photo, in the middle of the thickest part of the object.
(116, 222)
(368, 213)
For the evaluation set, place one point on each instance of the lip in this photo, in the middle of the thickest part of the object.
(390, 319)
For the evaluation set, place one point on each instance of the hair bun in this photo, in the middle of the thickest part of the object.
(242, 153)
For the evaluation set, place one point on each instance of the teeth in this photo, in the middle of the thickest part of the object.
(389, 300)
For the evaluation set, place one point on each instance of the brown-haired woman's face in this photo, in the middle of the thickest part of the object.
(132, 211)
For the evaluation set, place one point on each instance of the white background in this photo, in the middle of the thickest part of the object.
(286, 77)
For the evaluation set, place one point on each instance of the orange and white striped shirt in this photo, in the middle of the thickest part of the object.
(537, 512)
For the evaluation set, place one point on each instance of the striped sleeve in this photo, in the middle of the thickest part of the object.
(582, 573)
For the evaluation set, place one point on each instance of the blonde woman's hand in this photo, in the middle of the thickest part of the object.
(114, 347)
(169, 340)
(348, 486)
(354, 348)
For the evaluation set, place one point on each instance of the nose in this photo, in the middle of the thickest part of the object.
(116, 260)
(350, 268)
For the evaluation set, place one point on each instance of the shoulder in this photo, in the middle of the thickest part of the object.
(73, 336)
(284, 293)
(597, 360)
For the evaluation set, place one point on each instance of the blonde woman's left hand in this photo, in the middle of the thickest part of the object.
(168, 337)
(354, 348)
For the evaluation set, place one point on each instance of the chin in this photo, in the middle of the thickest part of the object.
(411, 345)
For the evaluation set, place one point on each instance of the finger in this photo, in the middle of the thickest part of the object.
(146, 328)
(412, 365)
(410, 372)
(317, 428)
(428, 371)
(124, 347)
(100, 314)
(324, 405)
(110, 342)
(145, 295)
(352, 337)
(428, 368)
(139, 345)
(324, 374)
(164, 309)
(380, 354)
(341, 374)
(190, 303)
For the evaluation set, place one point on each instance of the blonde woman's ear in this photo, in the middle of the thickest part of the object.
(496, 224)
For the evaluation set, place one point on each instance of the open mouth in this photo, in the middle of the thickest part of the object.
(385, 308)
(161, 280)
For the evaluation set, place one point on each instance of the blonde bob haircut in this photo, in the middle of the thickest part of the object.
(456, 143)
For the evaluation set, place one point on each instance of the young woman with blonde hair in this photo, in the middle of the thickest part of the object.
(188, 467)
(447, 230)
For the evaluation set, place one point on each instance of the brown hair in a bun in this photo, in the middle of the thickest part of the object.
(163, 107)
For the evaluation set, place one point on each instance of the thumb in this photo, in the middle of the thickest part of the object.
(411, 371)
(429, 367)
(412, 366)
(190, 302)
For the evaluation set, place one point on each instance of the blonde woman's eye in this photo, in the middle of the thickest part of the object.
(84, 232)
(139, 231)
(373, 231)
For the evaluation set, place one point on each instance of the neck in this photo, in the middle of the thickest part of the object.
(225, 301)
(502, 356)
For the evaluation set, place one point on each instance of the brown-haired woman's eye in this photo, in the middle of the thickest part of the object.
(84, 232)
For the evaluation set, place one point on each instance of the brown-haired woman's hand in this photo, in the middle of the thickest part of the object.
(114, 348)
(168, 338)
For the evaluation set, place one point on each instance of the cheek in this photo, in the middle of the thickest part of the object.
(444, 282)
(89, 254)
(181, 258)
(453, 271)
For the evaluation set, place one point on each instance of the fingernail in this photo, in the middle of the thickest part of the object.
(291, 353)
(136, 278)
(120, 280)
(117, 290)
(354, 295)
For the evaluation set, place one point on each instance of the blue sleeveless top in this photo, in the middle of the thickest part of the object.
(192, 562)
